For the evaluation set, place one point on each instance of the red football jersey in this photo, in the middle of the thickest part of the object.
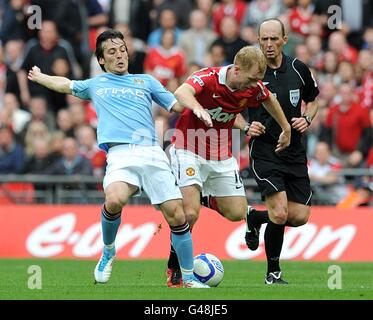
(165, 65)
(366, 91)
(236, 10)
(223, 104)
(347, 125)
(300, 21)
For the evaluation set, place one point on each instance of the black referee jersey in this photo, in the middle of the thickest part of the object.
(291, 83)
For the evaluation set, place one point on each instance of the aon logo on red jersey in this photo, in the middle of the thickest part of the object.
(219, 116)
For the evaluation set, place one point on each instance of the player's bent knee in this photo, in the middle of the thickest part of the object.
(278, 211)
(191, 216)
(278, 216)
(114, 203)
(173, 212)
(298, 221)
(299, 216)
(113, 207)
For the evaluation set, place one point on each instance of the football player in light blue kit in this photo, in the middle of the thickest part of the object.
(135, 161)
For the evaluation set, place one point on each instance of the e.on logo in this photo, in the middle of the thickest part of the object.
(304, 242)
(55, 235)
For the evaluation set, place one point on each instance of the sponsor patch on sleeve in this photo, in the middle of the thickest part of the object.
(262, 93)
(198, 80)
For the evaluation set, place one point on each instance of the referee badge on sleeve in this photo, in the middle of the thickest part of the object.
(294, 97)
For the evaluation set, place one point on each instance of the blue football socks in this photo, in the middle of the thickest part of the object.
(182, 242)
(110, 224)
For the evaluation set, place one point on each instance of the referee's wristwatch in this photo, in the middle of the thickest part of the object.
(308, 120)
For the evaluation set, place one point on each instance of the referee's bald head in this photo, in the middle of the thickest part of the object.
(280, 24)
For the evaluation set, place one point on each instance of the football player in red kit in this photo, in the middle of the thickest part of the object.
(201, 157)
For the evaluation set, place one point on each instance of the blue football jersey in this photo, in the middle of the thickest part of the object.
(124, 106)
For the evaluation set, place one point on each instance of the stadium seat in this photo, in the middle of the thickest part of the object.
(17, 192)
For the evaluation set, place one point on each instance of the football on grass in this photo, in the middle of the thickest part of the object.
(208, 269)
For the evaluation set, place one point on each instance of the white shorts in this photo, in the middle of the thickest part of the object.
(215, 178)
(146, 167)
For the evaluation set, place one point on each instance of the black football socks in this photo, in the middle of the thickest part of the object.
(258, 217)
(273, 238)
(173, 262)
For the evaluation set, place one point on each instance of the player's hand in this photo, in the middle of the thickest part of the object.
(204, 116)
(34, 73)
(299, 124)
(256, 129)
(283, 140)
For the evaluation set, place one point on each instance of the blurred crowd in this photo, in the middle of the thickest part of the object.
(44, 132)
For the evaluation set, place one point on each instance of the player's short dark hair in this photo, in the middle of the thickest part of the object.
(274, 19)
(107, 34)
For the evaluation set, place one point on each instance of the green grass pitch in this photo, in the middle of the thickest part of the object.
(145, 280)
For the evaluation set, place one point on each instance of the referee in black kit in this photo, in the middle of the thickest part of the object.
(282, 177)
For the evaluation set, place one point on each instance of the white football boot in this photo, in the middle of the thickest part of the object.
(194, 283)
(104, 266)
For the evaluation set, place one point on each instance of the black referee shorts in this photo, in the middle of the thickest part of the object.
(273, 174)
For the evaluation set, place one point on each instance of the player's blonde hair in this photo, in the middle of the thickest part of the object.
(249, 56)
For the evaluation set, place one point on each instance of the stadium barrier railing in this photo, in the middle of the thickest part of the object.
(81, 189)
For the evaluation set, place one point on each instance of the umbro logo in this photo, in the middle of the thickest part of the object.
(215, 96)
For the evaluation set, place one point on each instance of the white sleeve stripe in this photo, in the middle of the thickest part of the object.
(261, 87)
(171, 105)
(297, 72)
(72, 84)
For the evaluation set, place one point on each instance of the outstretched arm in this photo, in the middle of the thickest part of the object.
(59, 84)
(275, 110)
(185, 96)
